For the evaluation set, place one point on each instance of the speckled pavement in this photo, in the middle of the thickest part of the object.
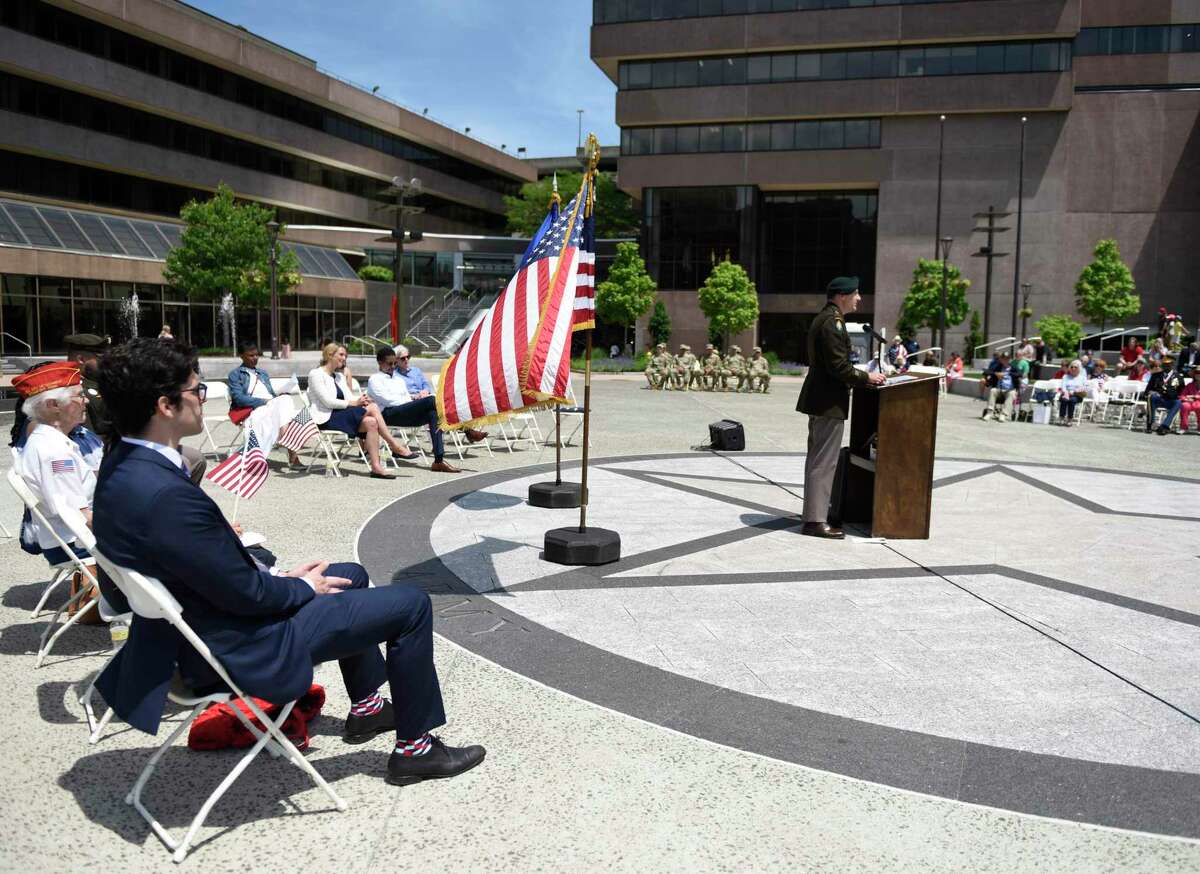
(570, 785)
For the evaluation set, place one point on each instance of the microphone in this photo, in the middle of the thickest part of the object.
(867, 327)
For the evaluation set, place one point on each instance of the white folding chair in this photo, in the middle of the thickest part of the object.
(525, 428)
(572, 411)
(62, 572)
(458, 440)
(324, 444)
(150, 599)
(217, 391)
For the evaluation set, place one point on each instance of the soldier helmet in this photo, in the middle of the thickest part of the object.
(708, 346)
(735, 348)
(661, 346)
(684, 347)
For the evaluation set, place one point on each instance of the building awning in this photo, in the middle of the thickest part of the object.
(40, 226)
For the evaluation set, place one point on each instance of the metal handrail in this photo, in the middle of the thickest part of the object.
(1009, 340)
(1116, 332)
(346, 340)
(937, 349)
(19, 340)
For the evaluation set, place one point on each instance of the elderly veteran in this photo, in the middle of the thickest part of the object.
(86, 350)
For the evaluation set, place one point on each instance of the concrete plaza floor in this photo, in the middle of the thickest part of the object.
(700, 783)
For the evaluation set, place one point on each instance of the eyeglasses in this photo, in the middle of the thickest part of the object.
(200, 389)
(402, 358)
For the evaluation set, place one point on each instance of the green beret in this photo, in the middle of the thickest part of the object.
(90, 342)
(842, 285)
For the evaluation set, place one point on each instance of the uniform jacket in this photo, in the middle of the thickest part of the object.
(826, 389)
(150, 517)
(239, 387)
(97, 413)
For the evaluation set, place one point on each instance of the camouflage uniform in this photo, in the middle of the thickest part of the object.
(735, 366)
(658, 371)
(685, 364)
(760, 372)
(710, 368)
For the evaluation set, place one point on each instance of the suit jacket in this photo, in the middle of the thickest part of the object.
(322, 394)
(826, 389)
(150, 518)
(239, 387)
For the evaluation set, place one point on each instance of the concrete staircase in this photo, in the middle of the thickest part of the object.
(439, 331)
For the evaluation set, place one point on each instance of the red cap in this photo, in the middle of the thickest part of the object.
(57, 374)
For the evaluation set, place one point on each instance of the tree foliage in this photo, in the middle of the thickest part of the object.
(923, 303)
(728, 299)
(1104, 292)
(974, 337)
(629, 290)
(615, 216)
(226, 248)
(376, 273)
(660, 323)
(1060, 333)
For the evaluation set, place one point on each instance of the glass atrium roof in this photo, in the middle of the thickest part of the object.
(74, 230)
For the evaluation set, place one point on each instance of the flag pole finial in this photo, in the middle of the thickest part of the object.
(554, 198)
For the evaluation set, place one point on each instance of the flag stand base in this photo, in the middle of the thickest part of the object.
(574, 547)
(555, 495)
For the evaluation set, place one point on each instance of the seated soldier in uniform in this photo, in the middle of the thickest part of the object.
(759, 372)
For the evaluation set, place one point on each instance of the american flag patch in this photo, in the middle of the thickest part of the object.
(62, 465)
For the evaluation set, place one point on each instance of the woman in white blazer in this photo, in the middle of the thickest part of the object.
(335, 407)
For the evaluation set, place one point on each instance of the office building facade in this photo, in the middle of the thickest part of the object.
(113, 116)
(803, 139)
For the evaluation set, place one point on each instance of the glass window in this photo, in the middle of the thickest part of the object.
(1124, 40)
(1087, 42)
(687, 140)
(937, 61)
(858, 65)
(641, 140)
(1017, 57)
(783, 68)
(710, 138)
(710, 7)
(883, 63)
(1183, 38)
(758, 68)
(733, 138)
(875, 134)
(912, 62)
(687, 73)
(962, 60)
(664, 140)
(711, 72)
(639, 75)
(1044, 57)
(1151, 40)
(663, 75)
(832, 134)
(808, 66)
(783, 134)
(808, 135)
(735, 70)
(833, 65)
(760, 137)
(990, 59)
(858, 134)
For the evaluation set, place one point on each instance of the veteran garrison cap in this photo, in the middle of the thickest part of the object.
(842, 285)
(56, 374)
(91, 342)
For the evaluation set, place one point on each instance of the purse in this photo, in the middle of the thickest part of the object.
(78, 582)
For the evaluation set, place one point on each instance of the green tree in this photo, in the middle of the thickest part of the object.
(628, 292)
(923, 303)
(376, 273)
(226, 248)
(973, 339)
(1060, 333)
(728, 300)
(660, 323)
(615, 216)
(1104, 291)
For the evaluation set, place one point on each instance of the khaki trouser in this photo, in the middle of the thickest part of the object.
(820, 465)
(994, 395)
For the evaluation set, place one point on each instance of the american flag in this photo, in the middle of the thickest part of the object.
(62, 465)
(585, 283)
(298, 431)
(242, 473)
(519, 356)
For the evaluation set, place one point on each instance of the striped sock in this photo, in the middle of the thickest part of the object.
(369, 706)
(418, 747)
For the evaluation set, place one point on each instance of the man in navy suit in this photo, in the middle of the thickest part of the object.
(268, 629)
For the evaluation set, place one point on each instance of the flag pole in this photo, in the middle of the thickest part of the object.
(237, 494)
(587, 415)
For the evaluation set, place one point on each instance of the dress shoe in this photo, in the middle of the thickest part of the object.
(441, 761)
(474, 436)
(443, 467)
(820, 529)
(360, 729)
(377, 475)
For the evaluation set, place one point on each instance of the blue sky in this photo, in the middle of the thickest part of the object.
(514, 71)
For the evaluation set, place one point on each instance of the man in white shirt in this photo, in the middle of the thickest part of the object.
(399, 408)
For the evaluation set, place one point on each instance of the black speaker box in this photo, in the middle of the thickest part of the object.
(727, 435)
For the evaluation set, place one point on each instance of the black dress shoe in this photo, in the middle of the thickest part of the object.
(441, 761)
(820, 529)
(360, 729)
(377, 475)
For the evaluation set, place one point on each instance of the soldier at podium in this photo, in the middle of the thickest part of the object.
(825, 397)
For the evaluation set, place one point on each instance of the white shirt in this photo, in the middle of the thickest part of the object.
(171, 455)
(386, 391)
(55, 471)
(257, 389)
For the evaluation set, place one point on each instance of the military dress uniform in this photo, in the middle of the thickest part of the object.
(825, 397)
(759, 375)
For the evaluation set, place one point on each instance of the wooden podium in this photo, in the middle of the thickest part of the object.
(893, 492)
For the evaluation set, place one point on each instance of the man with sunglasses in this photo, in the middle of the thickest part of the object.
(267, 628)
(414, 380)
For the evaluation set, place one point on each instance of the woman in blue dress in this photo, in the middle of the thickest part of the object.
(335, 407)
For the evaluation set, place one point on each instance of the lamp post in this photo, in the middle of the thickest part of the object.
(937, 234)
(1020, 211)
(273, 229)
(947, 242)
(411, 188)
(1026, 288)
